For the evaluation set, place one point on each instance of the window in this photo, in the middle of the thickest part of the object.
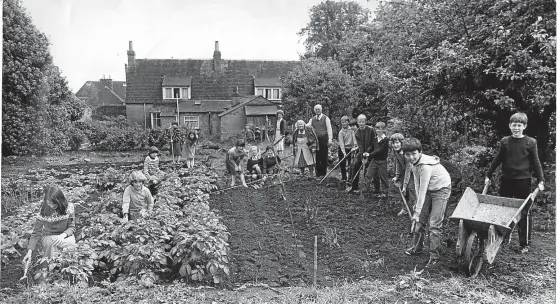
(269, 93)
(191, 121)
(155, 119)
(173, 93)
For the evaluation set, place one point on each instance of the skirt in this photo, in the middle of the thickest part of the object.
(279, 146)
(176, 149)
(231, 167)
(304, 157)
(189, 151)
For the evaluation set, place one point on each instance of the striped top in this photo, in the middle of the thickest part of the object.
(151, 167)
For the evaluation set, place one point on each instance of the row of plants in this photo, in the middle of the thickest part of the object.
(181, 239)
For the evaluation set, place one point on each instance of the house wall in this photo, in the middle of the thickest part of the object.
(208, 124)
(135, 114)
(232, 123)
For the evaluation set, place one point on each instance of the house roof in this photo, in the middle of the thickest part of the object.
(252, 100)
(118, 87)
(168, 108)
(145, 81)
(169, 81)
(261, 110)
(267, 82)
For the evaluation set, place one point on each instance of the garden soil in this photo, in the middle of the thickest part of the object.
(272, 240)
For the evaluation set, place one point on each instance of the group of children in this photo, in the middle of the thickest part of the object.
(182, 144)
(425, 182)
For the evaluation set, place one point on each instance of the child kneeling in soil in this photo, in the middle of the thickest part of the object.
(270, 160)
(233, 158)
(255, 163)
(433, 188)
(137, 200)
(54, 225)
(152, 171)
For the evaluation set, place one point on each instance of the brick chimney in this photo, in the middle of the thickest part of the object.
(216, 58)
(235, 97)
(131, 57)
(107, 82)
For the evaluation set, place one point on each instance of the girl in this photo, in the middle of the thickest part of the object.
(305, 146)
(270, 160)
(189, 148)
(137, 199)
(151, 170)
(280, 133)
(233, 158)
(403, 172)
(255, 162)
(55, 224)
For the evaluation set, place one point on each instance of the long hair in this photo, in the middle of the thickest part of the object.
(56, 196)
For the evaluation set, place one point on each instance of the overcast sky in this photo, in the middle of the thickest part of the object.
(90, 38)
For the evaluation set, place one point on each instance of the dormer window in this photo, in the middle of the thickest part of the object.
(176, 92)
(270, 93)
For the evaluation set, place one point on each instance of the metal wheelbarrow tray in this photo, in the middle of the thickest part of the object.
(484, 222)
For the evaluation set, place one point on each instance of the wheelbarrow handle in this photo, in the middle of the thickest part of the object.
(486, 187)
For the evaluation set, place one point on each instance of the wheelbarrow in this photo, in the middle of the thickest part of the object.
(486, 221)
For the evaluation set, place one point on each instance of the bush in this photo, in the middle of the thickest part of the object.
(76, 137)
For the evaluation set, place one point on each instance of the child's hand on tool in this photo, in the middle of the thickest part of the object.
(27, 257)
(486, 181)
(415, 217)
(540, 186)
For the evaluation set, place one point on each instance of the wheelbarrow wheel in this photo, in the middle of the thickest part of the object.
(473, 254)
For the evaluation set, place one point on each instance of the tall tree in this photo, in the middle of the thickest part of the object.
(330, 22)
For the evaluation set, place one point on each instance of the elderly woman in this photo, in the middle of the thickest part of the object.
(305, 145)
(280, 133)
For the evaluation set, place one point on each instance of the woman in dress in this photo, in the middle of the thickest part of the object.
(280, 133)
(304, 142)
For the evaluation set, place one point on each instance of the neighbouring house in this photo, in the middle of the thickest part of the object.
(102, 92)
(217, 96)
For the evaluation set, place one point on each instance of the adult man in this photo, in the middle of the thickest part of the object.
(322, 125)
(366, 141)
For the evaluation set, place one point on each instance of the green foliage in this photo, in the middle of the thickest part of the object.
(73, 265)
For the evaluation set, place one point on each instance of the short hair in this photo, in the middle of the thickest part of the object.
(175, 123)
(137, 176)
(345, 118)
(362, 116)
(380, 125)
(240, 143)
(280, 112)
(317, 105)
(300, 121)
(519, 117)
(353, 122)
(396, 137)
(411, 144)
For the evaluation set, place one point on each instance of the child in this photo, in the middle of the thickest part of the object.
(519, 156)
(346, 141)
(189, 148)
(137, 200)
(378, 163)
(270, 160)
(255, 162)
(366, 142)
(54, 225)
(304, 147)
(233, 158)
(152, 171)
(403, 172)
(433, 188)
(176, 142)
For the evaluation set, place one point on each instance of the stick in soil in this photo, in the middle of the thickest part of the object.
(315, 262)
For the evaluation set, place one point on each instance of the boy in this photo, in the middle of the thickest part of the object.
(433, 188)
(403, 172)
(152, 171)
(346, 141)
(519, 155)
(378, 163)
(366, 142)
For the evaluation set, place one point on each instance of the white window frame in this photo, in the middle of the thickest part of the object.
(270, 97)
(192, 120)
(153, 119)
(181, 93)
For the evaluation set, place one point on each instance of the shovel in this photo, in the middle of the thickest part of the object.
(407, 210)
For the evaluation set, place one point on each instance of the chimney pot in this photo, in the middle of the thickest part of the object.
(217, 45)
(131, 46)
(217, 58)
(131, 58)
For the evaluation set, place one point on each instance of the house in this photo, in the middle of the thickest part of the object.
(218, 96)
(102, 92)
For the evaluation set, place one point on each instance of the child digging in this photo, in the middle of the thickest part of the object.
(403, 172)
(433, 188)
(137, 200)
(378, 163)
(233, 158)
(54, 225)
(519, 155)
(346, 141)
(152, 171)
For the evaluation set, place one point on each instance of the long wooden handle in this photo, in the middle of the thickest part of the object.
(405, 203)
(486, 187)
(530, 197)
(327, 175)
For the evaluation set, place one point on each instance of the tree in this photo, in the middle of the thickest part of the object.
(37, 106)
(318, 81)
(330, 22)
